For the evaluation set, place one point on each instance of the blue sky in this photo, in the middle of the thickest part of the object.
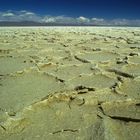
(97, 12)
(109, 9)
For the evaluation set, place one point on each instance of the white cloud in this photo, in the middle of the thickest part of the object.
(82, 19)
(97, 19)
(24, 15)
(19, 16)
(47, 19)
(59, 19)
(30, 13)
(7, 14)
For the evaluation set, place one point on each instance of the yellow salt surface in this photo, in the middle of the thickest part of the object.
(71, 83)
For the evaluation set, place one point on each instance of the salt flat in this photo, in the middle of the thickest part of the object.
(71, 83)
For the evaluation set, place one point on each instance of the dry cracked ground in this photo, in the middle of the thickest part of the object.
(71, 83)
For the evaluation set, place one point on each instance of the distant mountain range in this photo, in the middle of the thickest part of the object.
(33, 23)
(21, 23)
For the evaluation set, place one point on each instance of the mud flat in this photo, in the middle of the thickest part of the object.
(71, 83)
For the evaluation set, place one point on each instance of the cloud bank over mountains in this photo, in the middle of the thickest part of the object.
(19, 16)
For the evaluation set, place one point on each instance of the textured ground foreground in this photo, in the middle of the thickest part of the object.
(71, 83)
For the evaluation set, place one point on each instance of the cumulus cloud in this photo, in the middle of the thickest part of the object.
(58, 19)
(82, 19)
(19, 16)
(24, 15)
(66, 20)
(7, 14)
